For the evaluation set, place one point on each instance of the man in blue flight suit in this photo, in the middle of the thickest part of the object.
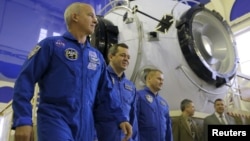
(154, 121)
(69, 72)
(106, 108)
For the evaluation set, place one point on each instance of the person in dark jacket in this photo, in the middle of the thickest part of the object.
(219, 117)
(185, 127)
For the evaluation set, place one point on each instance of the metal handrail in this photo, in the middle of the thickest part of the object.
(241, 75)
(182, 68)
(8, 105)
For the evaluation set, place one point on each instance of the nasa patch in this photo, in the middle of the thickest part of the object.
(71, 54)
(34, 51)
(59, 43)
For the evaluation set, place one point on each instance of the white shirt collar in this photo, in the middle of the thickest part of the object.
(223, 116)
(218, 115)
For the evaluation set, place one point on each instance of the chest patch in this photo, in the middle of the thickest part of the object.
(128, 87)
(93, 57)
(149, 98)
(71, 54)
(59, 43)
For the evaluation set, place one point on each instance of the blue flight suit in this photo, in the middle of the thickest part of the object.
(68, 74)
(112, 109)
(154, 121)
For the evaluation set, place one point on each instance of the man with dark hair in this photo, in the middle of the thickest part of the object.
(218, 117)
(108, 108)
(184, 127)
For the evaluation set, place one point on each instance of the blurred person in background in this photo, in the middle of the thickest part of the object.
(184, 126)
(219, 117)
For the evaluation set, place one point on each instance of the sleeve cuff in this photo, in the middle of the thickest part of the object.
(21, 122)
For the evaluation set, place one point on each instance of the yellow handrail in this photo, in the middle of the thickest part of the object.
(8, 105)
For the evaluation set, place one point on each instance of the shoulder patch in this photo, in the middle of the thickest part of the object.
(34, 51)
(163, 103)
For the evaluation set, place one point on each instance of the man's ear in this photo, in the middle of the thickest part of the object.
(75, 17)
(110, 57)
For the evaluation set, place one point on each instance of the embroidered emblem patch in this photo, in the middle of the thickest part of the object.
(128, 87)
(92, 66)
(34, 51)
(59, 43)
(93, 57)
(71, 54)
(149, 98)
